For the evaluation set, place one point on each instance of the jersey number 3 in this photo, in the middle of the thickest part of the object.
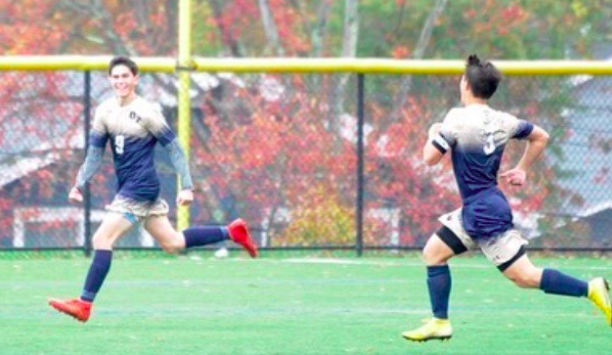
(119, 144)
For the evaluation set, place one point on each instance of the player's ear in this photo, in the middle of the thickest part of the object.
(463, 85)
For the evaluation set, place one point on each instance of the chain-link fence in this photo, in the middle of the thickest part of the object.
(282, 151)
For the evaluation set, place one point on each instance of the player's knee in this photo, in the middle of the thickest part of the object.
(101, 241)
(428, 255)
(525, 280)
(518, 281)
(174, 246)
(432, 255)
(171, 248)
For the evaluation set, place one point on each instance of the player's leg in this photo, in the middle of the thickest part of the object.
(440, 247)
(436, 255)
(508, 253)
(524, 274)
(164, 233)
(173, 242)
(112, 228)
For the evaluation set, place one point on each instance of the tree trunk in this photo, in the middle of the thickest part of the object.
(270, 27)
(320, 28)
(349, 49)
(419, 52)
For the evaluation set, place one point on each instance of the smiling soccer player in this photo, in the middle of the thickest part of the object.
(134, 126)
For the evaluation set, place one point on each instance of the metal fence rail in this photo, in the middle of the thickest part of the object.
(325, 160)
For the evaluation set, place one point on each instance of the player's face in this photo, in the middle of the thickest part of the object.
(123, 81)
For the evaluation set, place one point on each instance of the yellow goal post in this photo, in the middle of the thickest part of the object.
(306, 65)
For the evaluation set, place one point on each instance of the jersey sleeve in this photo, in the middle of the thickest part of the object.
(99, 134)
(447, 137)
(157, 125)
(517, 128)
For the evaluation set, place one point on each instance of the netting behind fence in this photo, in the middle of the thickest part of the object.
(280, 151)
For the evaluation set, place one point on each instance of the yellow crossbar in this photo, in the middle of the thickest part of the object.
(308, 65)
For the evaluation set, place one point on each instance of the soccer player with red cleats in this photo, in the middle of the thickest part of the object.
(74, 307)
(239, 234)
(137, 200)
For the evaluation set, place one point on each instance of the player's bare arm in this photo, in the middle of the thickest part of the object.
(537, 141)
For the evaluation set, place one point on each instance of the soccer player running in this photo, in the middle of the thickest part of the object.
(476, 135)
(134, 126)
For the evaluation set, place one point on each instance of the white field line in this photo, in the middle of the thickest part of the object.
(483, 265)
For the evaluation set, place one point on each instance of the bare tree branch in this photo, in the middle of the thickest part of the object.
(97, 10)
(141, 12)
(351, 28)
(318, 33)
(419, 52)
(349, 49)
(172, 23)
(226, 35)
(270, 27)
(400, 17)
(151, 34)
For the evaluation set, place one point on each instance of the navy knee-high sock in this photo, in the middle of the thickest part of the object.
(558, 283)
(198, 236)
(97, 273)
(439, 285)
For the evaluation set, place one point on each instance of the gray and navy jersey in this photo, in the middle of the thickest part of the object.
(477, 136)
(133, 131)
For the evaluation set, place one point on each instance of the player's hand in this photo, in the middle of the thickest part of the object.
(515, 177)
(184, 198)
(435, 129)
(75, 195)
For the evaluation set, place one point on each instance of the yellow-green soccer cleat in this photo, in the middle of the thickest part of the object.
(599, 294)
(434, 329)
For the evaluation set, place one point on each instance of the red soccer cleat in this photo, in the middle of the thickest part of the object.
(76, 308)
(239, 233)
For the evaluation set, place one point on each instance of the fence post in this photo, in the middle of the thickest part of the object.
(86, 193)
(360, 161)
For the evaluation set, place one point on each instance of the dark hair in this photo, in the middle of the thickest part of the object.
(121, 60)
(482, 76)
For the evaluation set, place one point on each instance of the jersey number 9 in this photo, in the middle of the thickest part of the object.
(119, 144)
